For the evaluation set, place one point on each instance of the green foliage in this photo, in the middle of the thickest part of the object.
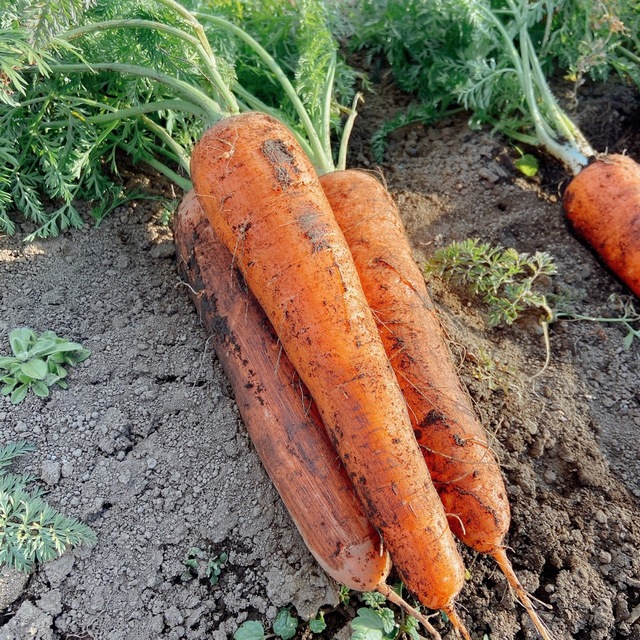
(317, 624)
(37, 363)
(285, 627)
(200, 563)
(31, 530)
(250, 630)
(59, 137)
(62, 127)
(527, 164)
(504, 279)
(492, 58)
(378, 622)
(592, 38)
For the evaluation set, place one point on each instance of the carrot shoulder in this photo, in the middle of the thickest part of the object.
(281, 419)
(463, 467)
(264, 200)
(602, 204)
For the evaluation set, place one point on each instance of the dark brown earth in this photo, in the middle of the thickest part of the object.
(147, 447)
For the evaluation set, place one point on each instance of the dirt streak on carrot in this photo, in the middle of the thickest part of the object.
(454, 443)
(264, 200)
(602, 204)
(280, 417)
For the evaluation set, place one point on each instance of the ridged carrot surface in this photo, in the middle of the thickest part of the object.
(603, 205)
(263, 198)
(280, 417)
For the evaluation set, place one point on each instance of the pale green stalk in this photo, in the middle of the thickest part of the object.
(192, 21)
(256, 104)
(575, 154)
(131, 112)
(209, 106)
(181, 155)
(180, 181)
(206, 55)
(321, 154)
(346, 133)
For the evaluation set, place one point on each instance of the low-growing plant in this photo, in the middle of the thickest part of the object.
(37, 363)
(503, 278)
(376, 621)
(200, 563)
(507, 282)
(284, 626)
(31, 530)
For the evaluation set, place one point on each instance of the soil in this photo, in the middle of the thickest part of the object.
(146, 445)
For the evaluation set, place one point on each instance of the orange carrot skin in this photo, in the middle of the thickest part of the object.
(602, 203)
(279, 415)
(463, 468)
(263, 198)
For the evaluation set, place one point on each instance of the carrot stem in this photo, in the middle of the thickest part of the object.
(199, 98)
(500, 556)
(321, 154)
(392, 596)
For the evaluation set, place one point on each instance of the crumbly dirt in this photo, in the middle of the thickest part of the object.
(147, 447)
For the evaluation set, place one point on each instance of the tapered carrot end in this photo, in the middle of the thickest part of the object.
(392, 596)
(500, 556)
(457, 624)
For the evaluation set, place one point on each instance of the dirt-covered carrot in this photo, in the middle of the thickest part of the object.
(463, 467)
(264, 200)
(277, 411)
(602, 204)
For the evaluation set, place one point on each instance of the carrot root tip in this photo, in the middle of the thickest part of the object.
(500, 556)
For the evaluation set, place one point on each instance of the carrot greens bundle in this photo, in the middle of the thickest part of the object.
(87, 82)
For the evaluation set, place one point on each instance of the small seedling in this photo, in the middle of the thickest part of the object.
(378, 622)
(196, 567)
(284, 627)
(506, 282)
(37, 363)
(527, 164)
(31, 530)
(504, 279)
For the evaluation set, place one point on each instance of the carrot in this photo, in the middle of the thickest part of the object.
(264, 200)
(602, 203)
(464, 470)
(281, 418)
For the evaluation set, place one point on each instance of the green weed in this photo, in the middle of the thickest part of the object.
(37, 363)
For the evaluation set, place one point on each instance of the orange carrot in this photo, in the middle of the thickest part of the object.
(280, 417)
(602, 203)
(454, 443)
(264, 200)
